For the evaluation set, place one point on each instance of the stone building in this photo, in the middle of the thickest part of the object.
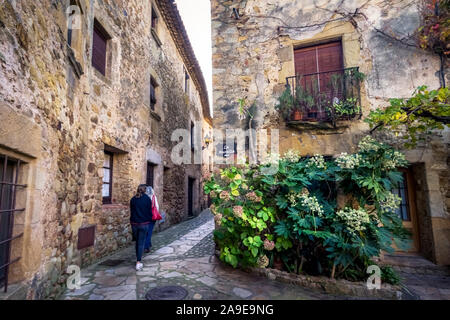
(261, 47)
(90, 94)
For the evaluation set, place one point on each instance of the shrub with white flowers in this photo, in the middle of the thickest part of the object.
(292, 155)
(391, 202)
(397, 160)
(348, 161)
(368, 144)
(294, 215)
(355, 219)
(317, 161)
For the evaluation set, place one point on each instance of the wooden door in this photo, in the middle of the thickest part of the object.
(407, 210)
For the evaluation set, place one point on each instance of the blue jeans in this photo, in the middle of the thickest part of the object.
(140, 234)
(148, 239)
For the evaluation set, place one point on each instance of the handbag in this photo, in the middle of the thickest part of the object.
(155, 214)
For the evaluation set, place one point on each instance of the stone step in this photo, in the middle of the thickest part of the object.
(414, 264)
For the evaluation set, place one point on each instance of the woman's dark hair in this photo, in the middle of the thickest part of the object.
(141, 190)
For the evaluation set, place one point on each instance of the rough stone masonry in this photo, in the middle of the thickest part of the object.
(63, 118)
(254, 45)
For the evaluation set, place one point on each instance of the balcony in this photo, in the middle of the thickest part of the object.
(322, 99)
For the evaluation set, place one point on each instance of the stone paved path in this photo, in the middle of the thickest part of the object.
(181, 255)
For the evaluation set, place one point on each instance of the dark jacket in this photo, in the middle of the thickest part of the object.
(141, 210)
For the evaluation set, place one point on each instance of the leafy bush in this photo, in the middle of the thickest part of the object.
(388, 275)
(317, 216)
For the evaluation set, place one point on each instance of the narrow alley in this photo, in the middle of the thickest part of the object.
(182, 255)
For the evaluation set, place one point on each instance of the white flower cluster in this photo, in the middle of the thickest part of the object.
(348, 161)
(292, 198)
(317, 161)
(398, 159)
(354, 218)
(391, 203)
(292, 155)
(306, 200)
(311, 203)
(368, 144)
(271, 158)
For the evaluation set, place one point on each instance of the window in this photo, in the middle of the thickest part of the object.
(402, 192)
(153, 86)
(150, 174)
(99, 44)
(72, 16)
(318, 59)
(186, 81)
(192, 135)
(154, 19)
(318, 71)
(154, 28)
(9, 174)
(107, 177)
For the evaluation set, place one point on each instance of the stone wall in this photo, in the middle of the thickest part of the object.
(70, 113)
(254, 53)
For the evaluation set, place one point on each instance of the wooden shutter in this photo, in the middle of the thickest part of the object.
(99, 48)
(316, 66)
(330, 63)
(305, 61)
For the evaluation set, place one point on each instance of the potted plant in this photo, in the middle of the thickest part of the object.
(285, 103)
(304, 102)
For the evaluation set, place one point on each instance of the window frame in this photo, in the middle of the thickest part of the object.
(108, 199)
(154, 19)
(192, 135)
(9, 211)
(101, 33)
(153, 98)
(186, 81)
(150, 167)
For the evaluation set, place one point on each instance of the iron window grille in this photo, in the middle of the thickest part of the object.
(107, 178)
(9, 175)
(319, 94)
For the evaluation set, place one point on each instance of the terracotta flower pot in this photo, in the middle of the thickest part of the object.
(297, 115)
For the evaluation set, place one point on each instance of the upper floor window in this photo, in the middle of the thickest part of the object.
(154, 18)
(153, 86)
(99, 45)
(186, 81)
(321, 58)
(107, 177)
(154, 26)
(72, 12)
(192, 135)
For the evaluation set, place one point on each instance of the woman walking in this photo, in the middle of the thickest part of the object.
(148, 241)
(140, 219)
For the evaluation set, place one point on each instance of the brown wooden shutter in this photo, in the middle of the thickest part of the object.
(330, 57)
(305, 61)
(99, 49)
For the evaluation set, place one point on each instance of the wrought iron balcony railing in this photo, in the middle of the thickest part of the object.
(325, 96)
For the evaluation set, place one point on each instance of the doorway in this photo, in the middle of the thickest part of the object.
(407, 210)
(191, 182)
(150, 174)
